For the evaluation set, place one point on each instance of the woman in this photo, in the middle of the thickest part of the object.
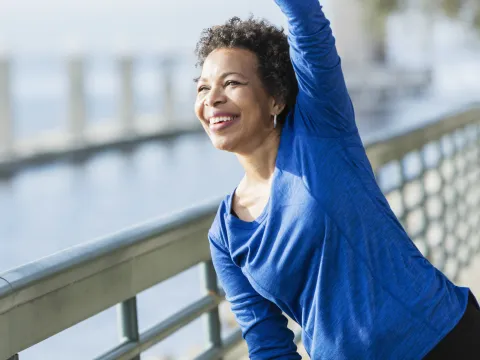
(307, 231)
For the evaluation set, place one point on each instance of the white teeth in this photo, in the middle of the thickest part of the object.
(218, 119)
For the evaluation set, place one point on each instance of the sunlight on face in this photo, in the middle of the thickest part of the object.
(232, 104)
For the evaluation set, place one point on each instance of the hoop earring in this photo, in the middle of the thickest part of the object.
(275, 121)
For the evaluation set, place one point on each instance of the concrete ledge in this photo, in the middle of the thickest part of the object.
(58, 146)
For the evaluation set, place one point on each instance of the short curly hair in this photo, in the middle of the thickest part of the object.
(268, 43)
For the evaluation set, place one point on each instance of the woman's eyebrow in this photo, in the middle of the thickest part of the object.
(224, 75)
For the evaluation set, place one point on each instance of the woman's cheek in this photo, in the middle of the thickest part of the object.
(198, 108)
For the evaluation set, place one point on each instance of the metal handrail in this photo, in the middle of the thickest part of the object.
(394, 146)
(447, 236)
(114, 269)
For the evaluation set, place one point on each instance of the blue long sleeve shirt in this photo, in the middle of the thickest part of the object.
(327, 249)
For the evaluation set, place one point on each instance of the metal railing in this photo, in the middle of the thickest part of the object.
(91, 277)
(431, 178)
(61, 290)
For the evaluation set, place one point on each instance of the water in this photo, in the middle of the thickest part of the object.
(55, 26)
(51, 208)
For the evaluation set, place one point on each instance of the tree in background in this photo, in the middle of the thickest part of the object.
(377, 12)
(468, 10)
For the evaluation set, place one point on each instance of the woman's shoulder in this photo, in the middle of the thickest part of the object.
(306, 120)
(217, 228)
(299, 141)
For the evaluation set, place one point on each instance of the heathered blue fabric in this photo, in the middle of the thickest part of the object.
(327, 249)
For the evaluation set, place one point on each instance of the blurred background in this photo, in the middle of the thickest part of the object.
(98, 133)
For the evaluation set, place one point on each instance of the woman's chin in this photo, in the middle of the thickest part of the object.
(222, 143)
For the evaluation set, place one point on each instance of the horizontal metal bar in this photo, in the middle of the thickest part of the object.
(78, 255)
(150, 337)
(110, 270)
(217, 352)
(160, 332)
(229, 343)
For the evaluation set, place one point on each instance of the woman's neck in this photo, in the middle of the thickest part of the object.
(259, 164)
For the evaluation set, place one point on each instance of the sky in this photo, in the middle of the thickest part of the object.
(142, 25)
(55, 27)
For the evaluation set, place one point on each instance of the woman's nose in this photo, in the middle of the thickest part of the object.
(215, 97)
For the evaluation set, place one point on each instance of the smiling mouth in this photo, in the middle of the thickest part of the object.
(220, 123)
(221, 119)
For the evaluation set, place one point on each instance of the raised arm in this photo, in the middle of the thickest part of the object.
(323, 97)
(262, 323)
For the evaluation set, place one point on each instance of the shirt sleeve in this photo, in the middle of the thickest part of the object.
(263, 325)
(323, 101)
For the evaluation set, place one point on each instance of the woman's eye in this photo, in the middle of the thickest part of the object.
(201, 88)
(232, 82)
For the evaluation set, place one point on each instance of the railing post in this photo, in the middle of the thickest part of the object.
(128, 321)
(168, 94)
(126, 106)
(213, 317)
(77, 111)
(6, 128)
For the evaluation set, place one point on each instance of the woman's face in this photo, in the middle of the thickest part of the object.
(232, 103)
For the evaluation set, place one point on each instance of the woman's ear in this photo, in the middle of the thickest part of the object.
(277, 106)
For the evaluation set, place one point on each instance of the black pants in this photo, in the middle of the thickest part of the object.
(463, 342)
